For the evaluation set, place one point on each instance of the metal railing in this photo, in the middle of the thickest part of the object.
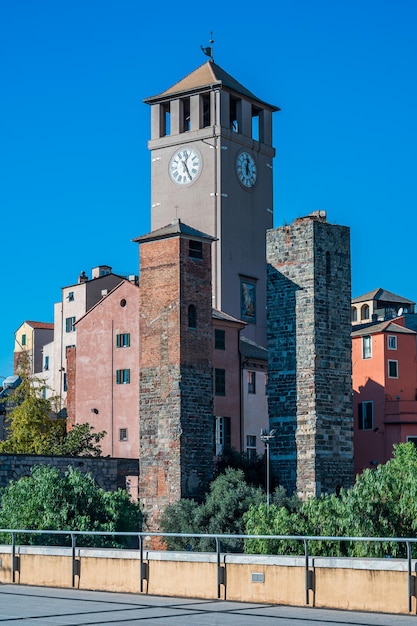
(141, 537)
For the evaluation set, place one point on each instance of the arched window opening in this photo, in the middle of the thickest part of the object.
(365, 312)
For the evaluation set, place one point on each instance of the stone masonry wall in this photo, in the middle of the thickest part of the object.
(109, 473)
(309, 381)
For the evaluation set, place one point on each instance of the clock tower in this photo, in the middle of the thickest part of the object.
(211, 150)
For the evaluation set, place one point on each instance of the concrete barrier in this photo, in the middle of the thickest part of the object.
(380, 585)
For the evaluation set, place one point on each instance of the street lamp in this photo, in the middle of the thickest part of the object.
(267, 437)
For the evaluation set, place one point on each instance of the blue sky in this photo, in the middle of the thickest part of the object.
(74, 163)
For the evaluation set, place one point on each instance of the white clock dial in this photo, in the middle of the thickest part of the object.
(184, 166)
(246, 169)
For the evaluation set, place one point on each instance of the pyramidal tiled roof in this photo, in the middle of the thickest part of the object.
(176, 227)
(207, 75)
(382, 294)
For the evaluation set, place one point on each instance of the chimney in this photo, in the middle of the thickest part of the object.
(82, 278)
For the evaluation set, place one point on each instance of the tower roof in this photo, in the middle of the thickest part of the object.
(173, 230)
(207, 75)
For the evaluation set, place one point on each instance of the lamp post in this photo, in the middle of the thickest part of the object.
(267, 437)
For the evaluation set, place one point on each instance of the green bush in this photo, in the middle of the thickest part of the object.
(50, 500)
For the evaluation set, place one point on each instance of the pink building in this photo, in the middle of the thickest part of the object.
(106, 389)
(103, 377)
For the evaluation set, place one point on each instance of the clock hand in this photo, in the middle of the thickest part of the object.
(184, 163)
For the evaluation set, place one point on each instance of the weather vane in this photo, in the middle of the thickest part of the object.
(208, 51)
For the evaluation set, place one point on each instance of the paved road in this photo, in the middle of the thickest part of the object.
(21, 606)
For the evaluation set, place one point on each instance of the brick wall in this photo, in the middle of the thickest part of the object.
(176, 415)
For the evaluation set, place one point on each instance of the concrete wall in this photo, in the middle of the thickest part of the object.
(357, 584)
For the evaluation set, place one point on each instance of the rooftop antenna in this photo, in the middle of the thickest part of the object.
(208, 51)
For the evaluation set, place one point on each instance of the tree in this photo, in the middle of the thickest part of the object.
(254, 468)
(51, 500)
(32, 429)
(222, 512)
(381, 503)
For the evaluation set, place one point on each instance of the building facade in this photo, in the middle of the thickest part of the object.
(384, 378)
(30, 339)
(103, 371)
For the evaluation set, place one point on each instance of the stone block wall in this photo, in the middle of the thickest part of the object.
(109, 473)
(309, 384)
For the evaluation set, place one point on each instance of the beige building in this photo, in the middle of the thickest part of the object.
(30, 338)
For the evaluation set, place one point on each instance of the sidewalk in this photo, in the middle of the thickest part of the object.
(44, 606)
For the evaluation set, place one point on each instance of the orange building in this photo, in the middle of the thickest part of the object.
(384, 379)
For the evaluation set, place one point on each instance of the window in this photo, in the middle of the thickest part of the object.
(251, 382)
(69, 324)
(222, 434)
(354, 314)
(251, 446)
(235, 113)
(186, 117)
(123, 340)
(365, 415)
(412, 439)
(165, 119)
(367, 347)
(365, 312)
(122, 377)
(23, 340)
(44, 393)
(219, 339)
(392, 369)
(256, 135)
(123, 434)
(248, 301)
(205, 111)
(192, 316)
(46, 364)
(220, 382)
(70, 296)
(64, 382)
(195, 249)
(392, 342)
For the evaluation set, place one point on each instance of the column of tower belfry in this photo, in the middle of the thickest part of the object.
(211, 183)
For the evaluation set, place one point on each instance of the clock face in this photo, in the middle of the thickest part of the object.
(246, 169)
(185, 165)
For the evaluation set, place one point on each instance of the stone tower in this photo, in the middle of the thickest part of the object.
(211, 154)
(176, 389)
(309, 344)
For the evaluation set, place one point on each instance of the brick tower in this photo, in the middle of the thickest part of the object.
(176, 390)
(309, 344)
